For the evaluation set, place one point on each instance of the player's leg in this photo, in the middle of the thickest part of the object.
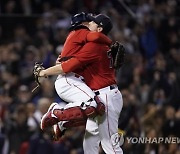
(108, 123)
(91, 139)
(84, 102)
(72, 89)
(70, 112)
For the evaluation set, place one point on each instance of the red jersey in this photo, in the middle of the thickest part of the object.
(77, 38)
(93, 57)
(97, 71)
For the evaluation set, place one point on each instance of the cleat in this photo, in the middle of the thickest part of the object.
(49, 119)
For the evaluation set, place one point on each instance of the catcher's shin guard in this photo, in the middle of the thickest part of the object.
(55, 114)
(74, 113)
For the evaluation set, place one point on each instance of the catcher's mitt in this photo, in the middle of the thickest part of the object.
(117, 51)
(37, 69)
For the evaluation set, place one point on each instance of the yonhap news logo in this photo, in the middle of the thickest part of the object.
(118, 139)
(153, 140)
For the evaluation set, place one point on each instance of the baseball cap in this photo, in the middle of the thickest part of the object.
(103, 21)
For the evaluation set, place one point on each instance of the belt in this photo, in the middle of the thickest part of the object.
(78, 76)
(69, 75)
(111, 87)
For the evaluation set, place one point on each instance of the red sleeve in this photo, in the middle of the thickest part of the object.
(70, 65)
(98, 38)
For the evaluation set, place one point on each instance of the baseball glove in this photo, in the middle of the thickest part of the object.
(117, 51)
(37, 69)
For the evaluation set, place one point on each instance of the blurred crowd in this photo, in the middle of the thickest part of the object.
(35, 30)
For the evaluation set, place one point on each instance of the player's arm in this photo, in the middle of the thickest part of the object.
(64, 67)
(54, 70)
(87, 55)
(98, 38)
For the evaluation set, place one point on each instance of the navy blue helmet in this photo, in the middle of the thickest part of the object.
(79, 18)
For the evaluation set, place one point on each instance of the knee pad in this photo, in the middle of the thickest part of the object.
(93, 107)
(89, 108)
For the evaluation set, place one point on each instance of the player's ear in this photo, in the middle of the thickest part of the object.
(99, 29)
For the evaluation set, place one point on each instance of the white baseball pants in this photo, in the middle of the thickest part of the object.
(72, 89)
(105, 129)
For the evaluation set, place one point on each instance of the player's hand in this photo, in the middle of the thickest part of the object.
(42, 73)
(38, 71)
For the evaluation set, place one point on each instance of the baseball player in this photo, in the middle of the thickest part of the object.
(98, 68)
(105, 129)
(94, 58)
(70, 86)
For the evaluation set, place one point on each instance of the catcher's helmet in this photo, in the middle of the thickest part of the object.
(79, 18)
